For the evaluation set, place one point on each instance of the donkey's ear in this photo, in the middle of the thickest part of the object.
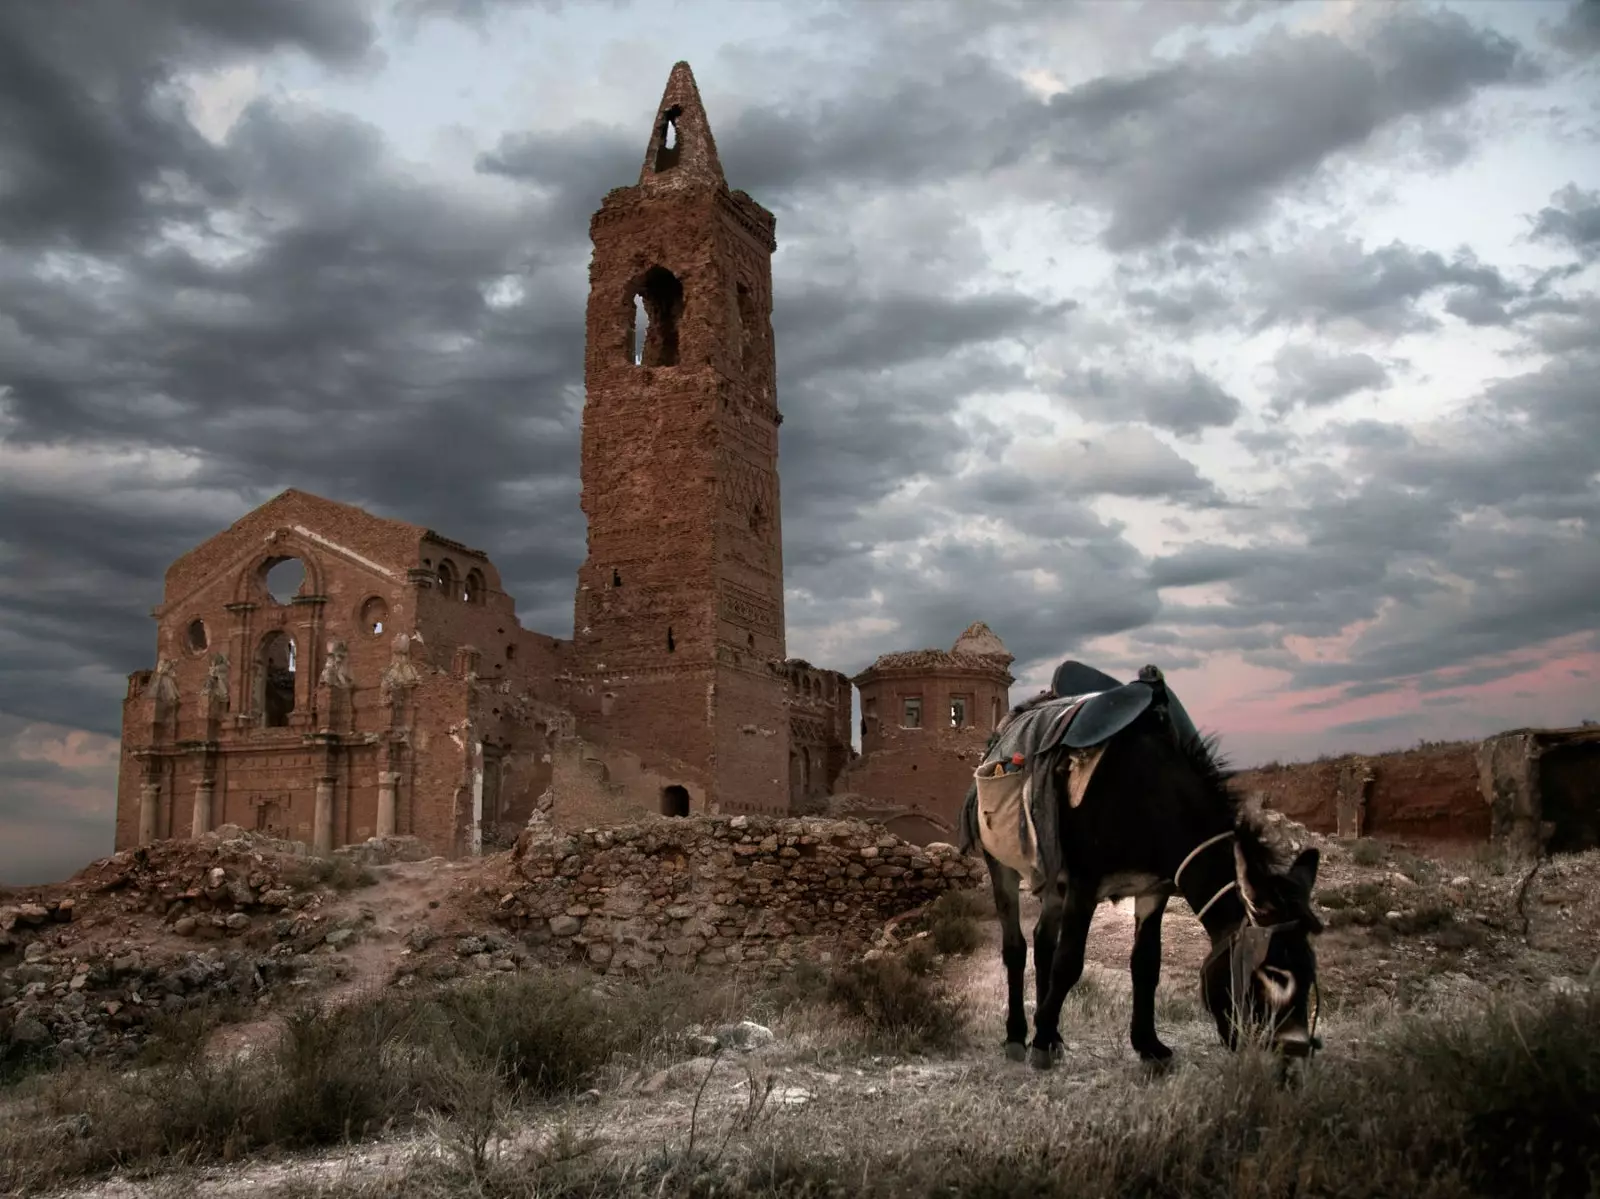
(1303, 871)
(1252, 902)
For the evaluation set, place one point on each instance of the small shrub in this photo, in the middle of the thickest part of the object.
(544, 1035)
(1368, 852)
(954, 921)
(1425, 918)
(900, 1001)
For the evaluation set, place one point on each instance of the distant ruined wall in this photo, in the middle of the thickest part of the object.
(1430, 794)
(594, 785)
(747, 894)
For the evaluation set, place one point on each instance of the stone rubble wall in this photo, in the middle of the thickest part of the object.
(747, 894)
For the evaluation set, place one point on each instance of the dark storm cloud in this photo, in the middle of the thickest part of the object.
(1096, 587)
(1337, 279)
(1207, 144)
(1194, 149)
(93, 131)
(1572, 218)
(1121, 460)
(478, 12)
(883, 332)
(1310, 378)
(1579, 30)
(1184, 401)
(1400, 541)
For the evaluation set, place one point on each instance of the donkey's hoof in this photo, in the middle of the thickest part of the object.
(1016, 1051)
(1153, 1051)
(1042, 1058)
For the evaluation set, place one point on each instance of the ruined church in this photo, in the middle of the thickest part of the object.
(328, 675)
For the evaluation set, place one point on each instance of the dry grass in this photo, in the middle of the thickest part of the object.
(1467, 1098)
(339, 1073)
(1502, 1102)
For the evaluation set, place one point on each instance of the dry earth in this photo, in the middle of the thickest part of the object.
(1406, 933)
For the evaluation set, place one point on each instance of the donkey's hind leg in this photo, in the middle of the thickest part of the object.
(1144, 964)
(1013, 952)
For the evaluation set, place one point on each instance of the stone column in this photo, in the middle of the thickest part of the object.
(387, 782)
(149, 797)
(322, 819)
(202, 806)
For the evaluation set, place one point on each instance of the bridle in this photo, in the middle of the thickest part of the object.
(1246, 945)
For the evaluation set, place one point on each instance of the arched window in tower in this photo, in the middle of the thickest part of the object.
(667, 152)
(657, 309)
(447, 580)
(473, 592)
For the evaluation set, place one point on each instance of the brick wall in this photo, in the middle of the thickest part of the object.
(748, 894)
(924, 769)
(819, 730)
(1431, 793)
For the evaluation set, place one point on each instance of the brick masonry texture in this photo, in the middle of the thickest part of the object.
(1429, 793)
(1525, 789)
(926, 716)
(396, 692)
(747, 894)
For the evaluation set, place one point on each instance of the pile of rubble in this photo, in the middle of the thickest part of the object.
(88, 963)
(750, 894)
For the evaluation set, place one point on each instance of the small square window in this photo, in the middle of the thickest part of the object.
(912, 718)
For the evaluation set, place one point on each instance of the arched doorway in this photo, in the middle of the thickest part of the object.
(674, 800)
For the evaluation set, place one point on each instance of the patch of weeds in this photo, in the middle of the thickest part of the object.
(356, 1069)
(1369, 852)
(1360, 903)
(543, 1035)
(804, 985)
(900, 1001)
(954, 921)
(1427, 917)
(178, 1038)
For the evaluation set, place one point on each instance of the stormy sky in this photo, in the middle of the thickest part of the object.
(1258, 340)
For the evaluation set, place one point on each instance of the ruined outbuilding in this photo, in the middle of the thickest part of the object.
(926, 716)
(326, 675)
(1526, 790)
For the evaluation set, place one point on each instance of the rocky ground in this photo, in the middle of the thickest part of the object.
(91, 965)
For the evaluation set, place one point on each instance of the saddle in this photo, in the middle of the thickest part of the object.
(1109, 706)
(1083, 710)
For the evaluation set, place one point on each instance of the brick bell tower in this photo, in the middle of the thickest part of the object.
(679, 622)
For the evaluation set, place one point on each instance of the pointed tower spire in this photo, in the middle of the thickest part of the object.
(682, 151)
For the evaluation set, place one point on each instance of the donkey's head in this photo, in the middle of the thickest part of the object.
(1262, 978)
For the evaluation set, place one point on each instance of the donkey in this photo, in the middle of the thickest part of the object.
(1153, 818)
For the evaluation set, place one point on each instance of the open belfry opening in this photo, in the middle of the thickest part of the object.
(331, 675)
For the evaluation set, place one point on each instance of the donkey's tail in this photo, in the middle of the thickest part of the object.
(967, 825)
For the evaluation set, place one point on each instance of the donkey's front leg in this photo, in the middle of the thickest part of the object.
(1013, 952)
(1077, 912)
(1144, 964)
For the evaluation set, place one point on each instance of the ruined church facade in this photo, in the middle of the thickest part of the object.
(388, 687)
